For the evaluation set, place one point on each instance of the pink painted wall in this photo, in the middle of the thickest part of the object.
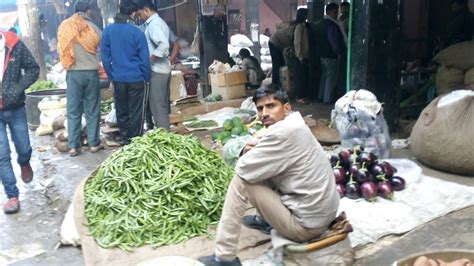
(268, 19)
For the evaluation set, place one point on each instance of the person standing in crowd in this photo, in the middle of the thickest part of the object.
(125, 56)
(331, 50)
(281, 40)
(78, 42)
(252, 68)
(301, 47)
(174, 52)
(157, 35)
(461, 26)
(344, 17)
(19, 71)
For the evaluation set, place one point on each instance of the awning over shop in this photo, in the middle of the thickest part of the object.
(8, 19)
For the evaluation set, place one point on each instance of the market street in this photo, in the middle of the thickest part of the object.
(31, 237)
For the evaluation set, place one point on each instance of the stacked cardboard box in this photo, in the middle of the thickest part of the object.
(230, 85)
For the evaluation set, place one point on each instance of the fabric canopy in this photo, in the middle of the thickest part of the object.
(8, 19)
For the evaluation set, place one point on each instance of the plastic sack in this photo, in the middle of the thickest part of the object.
(240, 40)
(264, 51)
(69, 234)
(359, 124)
(248, 104)
(264, 39)
(50, 107)
(111, 118)
(232, 149)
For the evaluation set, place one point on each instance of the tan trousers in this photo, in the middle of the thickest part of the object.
(268, 204)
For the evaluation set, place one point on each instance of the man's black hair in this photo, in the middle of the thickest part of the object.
(82, 7)
(244, 53)
(127, 8)
(301, 15)
(269, 90)
(345, 4)
(332, 7)
(13, 29)
(142, 4)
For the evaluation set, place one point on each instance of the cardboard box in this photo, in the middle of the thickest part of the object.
(231, 92)
(230, 85)
(231, 78)
(176, 80)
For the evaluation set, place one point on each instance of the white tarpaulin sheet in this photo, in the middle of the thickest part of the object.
(424, 199)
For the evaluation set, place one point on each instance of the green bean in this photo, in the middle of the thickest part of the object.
(161, 189)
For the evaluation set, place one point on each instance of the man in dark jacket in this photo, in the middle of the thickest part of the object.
(126, 59)
(461, 26)
(331, 50)
(14, 58)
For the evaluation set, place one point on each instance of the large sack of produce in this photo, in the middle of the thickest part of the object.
(240, 40)
(469, 78)
(443, 135)
(449, 79)
(161, 189)
(459, 56)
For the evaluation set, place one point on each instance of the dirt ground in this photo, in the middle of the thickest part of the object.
(31, 237)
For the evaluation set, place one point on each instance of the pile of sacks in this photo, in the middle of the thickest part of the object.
(457, 68)
(265, 58)
(237, 42)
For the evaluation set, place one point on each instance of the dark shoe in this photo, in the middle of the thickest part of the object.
(26, 173)
(97, 148)
(73, 152)
(258, 223)
(212, 261)
(12, 206)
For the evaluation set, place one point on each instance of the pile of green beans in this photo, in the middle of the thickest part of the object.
(161, 189)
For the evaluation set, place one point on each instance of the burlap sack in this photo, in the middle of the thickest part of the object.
(251, 244)
(469, 77)
(443, 136)
(459, 56)
(449, 79)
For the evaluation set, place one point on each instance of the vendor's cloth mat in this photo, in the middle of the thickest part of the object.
(424, 199)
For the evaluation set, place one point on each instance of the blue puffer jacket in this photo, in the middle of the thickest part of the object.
(14, 84)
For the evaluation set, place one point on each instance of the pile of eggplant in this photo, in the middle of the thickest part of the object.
(359, 173)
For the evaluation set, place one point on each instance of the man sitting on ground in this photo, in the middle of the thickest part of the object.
(285, 175)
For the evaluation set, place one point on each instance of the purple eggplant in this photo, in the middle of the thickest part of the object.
(398, 183)
(362, 176)
(345, 158)
(364, 158)
(340, 175)
(377, 170)
(385, 190)
(354, 169)
(388, 169)
(352, 190)
(341, 189)
(369, 191)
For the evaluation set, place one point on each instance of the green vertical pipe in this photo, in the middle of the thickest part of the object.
(349, 44)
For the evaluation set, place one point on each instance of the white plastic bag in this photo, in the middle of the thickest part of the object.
(233, 147)
(240, 40)
(50, 107)
(264, 39)
(358, 117)
(69, 234)
(111, 118)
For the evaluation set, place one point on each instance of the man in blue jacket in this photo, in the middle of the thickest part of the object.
(126, 59)
(18, 71)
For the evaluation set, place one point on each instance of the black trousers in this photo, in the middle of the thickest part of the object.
(277, 61)
(130, 108)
